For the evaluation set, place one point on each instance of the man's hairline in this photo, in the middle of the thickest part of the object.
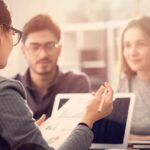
(39, 31)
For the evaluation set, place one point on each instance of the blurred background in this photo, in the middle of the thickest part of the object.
(90, 31)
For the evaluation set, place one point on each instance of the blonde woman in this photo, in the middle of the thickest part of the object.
(135, 73)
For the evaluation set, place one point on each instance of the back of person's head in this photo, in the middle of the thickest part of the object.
(5, 17)
(143, 24)
(39, 23)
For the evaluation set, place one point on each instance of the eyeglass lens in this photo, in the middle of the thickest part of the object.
(35, 48)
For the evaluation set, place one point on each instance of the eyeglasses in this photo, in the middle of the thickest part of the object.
(16, 34)
(35, 48)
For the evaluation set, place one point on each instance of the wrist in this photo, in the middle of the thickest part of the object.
(84, 124)
(87, 121)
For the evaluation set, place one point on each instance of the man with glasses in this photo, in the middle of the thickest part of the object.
(44, 79)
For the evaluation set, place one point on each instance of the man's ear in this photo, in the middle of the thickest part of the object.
(59, 49)
(0, 36)
(0, 39)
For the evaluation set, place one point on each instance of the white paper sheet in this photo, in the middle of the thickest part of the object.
(57, 128)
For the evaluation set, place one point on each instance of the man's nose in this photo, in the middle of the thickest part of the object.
(43, 51)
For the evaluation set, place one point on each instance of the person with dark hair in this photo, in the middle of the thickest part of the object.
(135, 73)
(44, 79)
(18, 130)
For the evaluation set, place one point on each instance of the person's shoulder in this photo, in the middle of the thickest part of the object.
(75, 81)
(75, 74)
(10, 84)
(7, 81)
(18, 77)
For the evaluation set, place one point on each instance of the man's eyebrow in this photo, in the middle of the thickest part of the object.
(36, 43)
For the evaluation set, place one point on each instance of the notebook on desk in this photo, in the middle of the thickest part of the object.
(111, 132)
(139, 144)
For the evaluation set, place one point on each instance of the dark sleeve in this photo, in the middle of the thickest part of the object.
(80, 139)
(16, 123)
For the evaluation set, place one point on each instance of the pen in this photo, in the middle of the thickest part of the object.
(102, 100)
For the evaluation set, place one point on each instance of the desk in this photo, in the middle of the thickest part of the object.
(141, 145)
(132, 146)
(129, 148)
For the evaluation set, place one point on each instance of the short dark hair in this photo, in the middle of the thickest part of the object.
(38, 23)
(5, 17)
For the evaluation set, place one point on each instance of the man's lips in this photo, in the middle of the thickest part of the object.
(45, 61)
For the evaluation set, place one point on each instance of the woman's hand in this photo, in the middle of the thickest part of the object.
(102, 100)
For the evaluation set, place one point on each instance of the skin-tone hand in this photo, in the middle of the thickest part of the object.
(92, 114)
(41, 120)
(133, 137)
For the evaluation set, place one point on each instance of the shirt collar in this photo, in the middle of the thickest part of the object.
(27, 80)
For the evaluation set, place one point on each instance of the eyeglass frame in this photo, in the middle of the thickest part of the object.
(56, 45)
(15, 31)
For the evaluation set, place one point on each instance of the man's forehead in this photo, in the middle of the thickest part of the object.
(40, 39)
(41, 36)
(39, 42)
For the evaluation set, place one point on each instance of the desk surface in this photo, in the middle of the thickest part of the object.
(129, 148)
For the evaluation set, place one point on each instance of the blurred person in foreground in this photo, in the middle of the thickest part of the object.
(18, 130)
